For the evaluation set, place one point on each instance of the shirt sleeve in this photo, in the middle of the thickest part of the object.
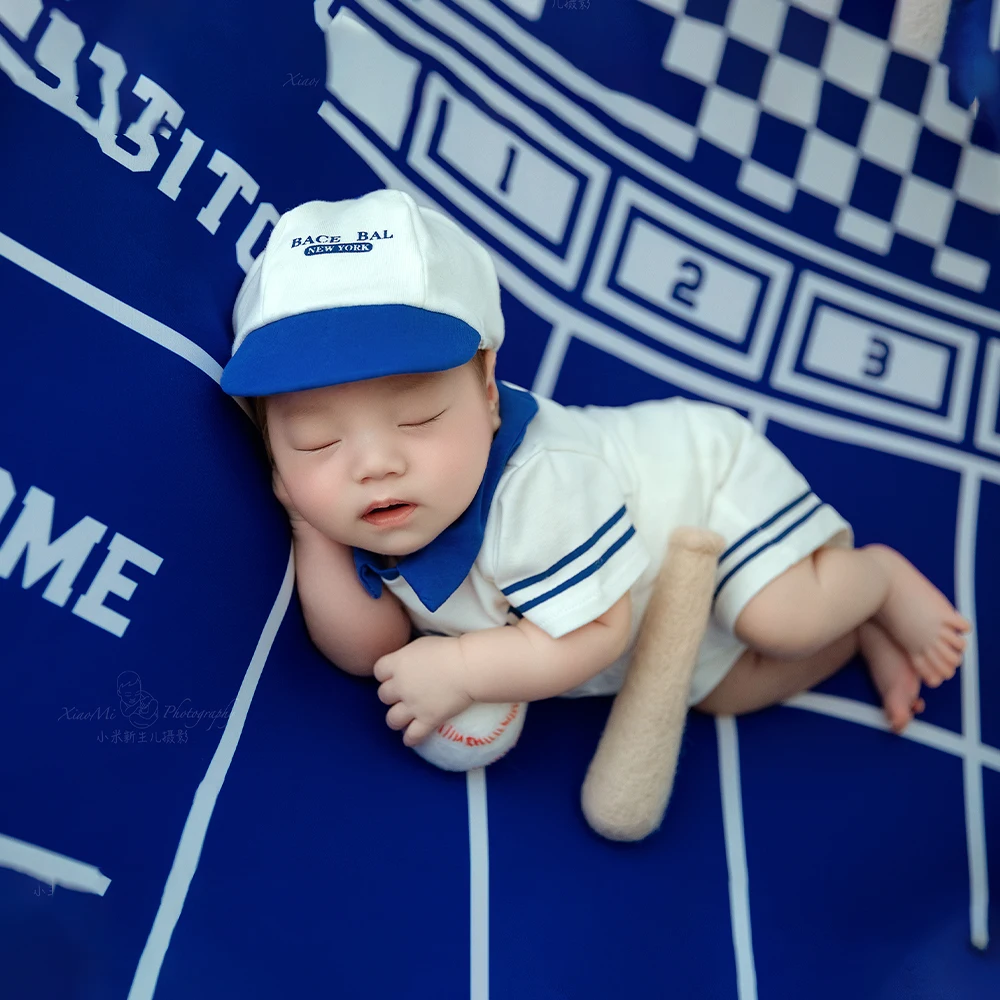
(564, 549)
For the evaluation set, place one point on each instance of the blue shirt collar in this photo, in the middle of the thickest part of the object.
(437, 570)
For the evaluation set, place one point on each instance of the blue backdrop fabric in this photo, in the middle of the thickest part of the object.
(762, 204)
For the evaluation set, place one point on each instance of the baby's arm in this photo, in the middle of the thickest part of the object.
(524, 663)
(436, 677)
(345, 623)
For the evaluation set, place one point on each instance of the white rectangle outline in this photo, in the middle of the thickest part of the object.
(950, 427)
(596, 291)
(987, 439)
(468, 157)
(565, 271)
(840, 343)
(675, 253)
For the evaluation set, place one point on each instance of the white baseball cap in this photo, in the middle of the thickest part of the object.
(360, 288)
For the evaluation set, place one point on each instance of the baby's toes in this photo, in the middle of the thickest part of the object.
(958, 623)
(926, 669)
(897, 714)
(943, 659)
(954, 640)
(949, 656)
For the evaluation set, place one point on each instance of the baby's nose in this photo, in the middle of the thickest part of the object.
(377, 458)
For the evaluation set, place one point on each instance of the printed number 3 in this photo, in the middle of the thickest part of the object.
(682, 289)
(878, 361)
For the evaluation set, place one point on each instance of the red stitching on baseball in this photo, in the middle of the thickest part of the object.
(450, 733)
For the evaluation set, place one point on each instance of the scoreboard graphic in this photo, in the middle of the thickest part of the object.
(770, 205)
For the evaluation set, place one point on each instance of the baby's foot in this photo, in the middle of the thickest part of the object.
(896, 680)
(920, 618)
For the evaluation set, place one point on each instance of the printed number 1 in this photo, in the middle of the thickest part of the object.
(508, 168)
(683, 289)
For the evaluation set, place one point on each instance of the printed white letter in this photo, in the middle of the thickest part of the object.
(159, 105)
(32, 532)
(234, 178)
(20, 16)
(266, 214)
(109, 580)
(7, 492)
(190, 147)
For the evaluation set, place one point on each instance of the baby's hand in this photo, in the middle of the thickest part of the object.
(424, 682)
(284, 499)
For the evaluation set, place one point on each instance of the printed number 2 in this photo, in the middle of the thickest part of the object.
(682, 289)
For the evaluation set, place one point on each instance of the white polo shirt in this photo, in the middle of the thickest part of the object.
(576, 507)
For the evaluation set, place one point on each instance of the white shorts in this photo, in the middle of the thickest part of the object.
(698, 464)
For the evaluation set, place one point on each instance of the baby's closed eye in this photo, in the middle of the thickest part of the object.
(329, 444)
(424, 422)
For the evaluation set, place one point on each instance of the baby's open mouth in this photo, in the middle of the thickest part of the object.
(388, 514)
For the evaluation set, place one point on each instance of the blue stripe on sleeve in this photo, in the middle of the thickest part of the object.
(760, 527)
(582, 575)
(589, 543)
(774, 541)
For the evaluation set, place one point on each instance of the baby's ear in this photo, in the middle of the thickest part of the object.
(492, 392)
(490, 366)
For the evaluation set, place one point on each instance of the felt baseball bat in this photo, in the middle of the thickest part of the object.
(628, 783)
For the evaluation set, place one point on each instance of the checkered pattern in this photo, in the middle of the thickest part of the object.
(813, 98)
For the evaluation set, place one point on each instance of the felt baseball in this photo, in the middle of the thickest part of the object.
(480, 735)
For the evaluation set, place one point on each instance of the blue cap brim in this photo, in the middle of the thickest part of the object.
(346, 344)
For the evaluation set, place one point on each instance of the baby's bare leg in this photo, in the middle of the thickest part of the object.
(758, 681)
(813, 603)
(834, 591)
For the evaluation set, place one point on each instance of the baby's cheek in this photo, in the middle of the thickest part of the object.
(468, 461)
(320, 492)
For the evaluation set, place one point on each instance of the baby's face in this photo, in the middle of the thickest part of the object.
(388, 463)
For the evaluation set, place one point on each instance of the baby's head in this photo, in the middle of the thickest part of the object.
(385, 464)
(366, 337)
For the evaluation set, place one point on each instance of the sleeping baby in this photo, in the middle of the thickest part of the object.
(462, 539)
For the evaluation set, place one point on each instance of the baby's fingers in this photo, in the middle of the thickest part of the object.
(399, 716)
(387, 693)
(416, 733)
